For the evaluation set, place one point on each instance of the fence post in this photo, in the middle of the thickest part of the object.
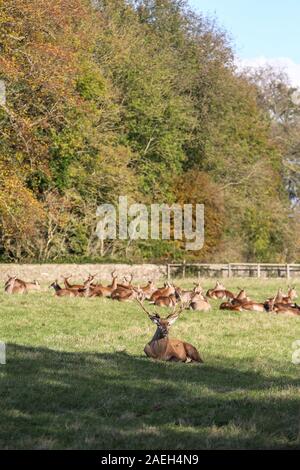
(258, 270)
(168, 272)
(287, 271)
(229, 270)
(183, 269)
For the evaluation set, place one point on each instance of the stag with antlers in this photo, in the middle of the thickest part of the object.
(163, 348)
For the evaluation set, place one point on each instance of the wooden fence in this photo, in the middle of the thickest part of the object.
(233, 270)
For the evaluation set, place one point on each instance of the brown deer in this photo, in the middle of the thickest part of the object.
(127, 295)
(161, 347)
(232, 307)
(278, 297)
(219, 286)
(78, 286)
(122, 291)
(282, 308)
(187, 295)
(60, 292)
(165, 291)
(253, 306)
(241, 298)
(167, 301)
(30, 286)
(33, 286)
(199, 303)
(127, 282)
(85, 291)
(71, 286)
(291, 295)
(237, 303)
(219, 292)
(15, 286)
(149, 289)
(105, 291)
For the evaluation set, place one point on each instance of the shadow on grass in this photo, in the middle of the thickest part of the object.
(53, 399)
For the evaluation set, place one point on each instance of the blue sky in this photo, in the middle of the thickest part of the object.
(261, 30)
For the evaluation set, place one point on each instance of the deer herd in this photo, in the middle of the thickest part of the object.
(169, 296)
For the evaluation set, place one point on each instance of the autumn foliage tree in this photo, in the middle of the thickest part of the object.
(138, 98)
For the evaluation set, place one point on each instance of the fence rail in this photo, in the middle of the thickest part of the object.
(234, 269)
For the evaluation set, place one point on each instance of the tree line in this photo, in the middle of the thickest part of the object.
(140, 98)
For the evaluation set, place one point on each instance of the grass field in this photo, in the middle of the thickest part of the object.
(76, 377)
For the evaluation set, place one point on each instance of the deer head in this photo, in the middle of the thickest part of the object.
(219, 286)
(163, 324)
(197, 289)
(89, 279)
(10, 282)
(242, 294)
(54, 285)
(292, 293)
(279, 296)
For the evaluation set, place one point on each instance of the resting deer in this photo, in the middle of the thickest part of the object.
(199, 303)
(187, 295)
(219, 292)
(161, 347)
(71, 286)
(18, 283)
(127, 283)
(105, 291)
(232, 307)
(127, 295)
(78, 286)
(15, 286)
(253, 306)
(281, 308)
(149, 289)
(241, 298)
(237, 303)
(165, 291)
(278, 297)
(60, 292)
(167, 301)
(291, 295)
(33, 286)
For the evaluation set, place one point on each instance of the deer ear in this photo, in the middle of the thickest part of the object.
(155, 318)
(171, 320)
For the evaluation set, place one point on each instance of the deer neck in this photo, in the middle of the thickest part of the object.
(158, 335)
(67, 284)
(114, 284)
(10, 287)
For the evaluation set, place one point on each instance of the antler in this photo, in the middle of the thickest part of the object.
(177, 310)
(128, 279)
(145, 310)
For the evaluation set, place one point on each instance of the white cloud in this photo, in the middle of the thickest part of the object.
(291, 68)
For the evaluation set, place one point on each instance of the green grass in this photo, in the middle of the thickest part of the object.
(76, 377)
